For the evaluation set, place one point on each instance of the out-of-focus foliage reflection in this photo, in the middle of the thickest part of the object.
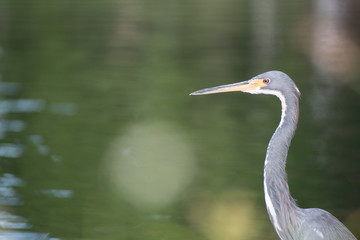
(100, 140)
(231, 215)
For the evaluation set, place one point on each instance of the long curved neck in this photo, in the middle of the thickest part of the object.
(280, 205)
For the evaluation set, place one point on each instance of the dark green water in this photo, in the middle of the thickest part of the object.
(100, 140)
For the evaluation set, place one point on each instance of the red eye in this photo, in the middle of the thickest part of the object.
(266, 80)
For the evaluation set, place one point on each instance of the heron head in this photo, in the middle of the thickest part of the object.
(272, 82)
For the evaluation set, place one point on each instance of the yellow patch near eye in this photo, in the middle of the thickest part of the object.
(259, 82)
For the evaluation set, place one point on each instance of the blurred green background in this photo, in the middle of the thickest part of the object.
(100, 140)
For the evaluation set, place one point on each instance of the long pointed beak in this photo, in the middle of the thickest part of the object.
(245, 86)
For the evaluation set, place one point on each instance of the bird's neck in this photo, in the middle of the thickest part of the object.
(280, 205)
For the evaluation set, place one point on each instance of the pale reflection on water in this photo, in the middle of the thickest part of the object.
(15, 227)
(13, 235)
(8, 195)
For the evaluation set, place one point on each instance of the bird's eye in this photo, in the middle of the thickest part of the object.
(266, 80)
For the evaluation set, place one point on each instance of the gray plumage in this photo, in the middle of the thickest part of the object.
(290, 221)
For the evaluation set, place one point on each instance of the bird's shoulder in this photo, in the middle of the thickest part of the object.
(320, 224)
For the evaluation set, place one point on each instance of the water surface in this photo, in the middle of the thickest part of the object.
(100, 140)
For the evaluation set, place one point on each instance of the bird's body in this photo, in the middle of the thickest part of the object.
(289, 220)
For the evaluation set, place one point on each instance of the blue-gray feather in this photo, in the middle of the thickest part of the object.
(290, 221)
(293, 222)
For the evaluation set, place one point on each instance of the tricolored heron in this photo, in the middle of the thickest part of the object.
(289, 220)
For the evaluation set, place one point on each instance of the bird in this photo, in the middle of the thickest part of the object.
(289, 220)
